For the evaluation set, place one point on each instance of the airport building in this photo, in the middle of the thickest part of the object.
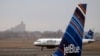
(18, 28)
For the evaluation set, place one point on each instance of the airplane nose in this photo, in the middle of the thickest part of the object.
(35, 43)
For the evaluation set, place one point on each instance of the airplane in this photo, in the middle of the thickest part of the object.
(50, 43)
(71, 42)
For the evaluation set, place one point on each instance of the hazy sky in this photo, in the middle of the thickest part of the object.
(43, 15)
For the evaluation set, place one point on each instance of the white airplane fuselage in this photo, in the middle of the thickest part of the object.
(54, 42)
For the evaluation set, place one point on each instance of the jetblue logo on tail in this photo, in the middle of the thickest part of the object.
(71, 49)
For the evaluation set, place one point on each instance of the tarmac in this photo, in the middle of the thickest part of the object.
(92, 49)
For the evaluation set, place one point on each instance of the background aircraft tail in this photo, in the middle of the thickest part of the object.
(89, 34)
(71, 43)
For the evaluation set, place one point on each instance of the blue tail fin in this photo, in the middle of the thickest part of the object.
(71, 43)
(89, 34)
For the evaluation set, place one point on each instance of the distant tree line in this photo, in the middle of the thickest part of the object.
(30, 35)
